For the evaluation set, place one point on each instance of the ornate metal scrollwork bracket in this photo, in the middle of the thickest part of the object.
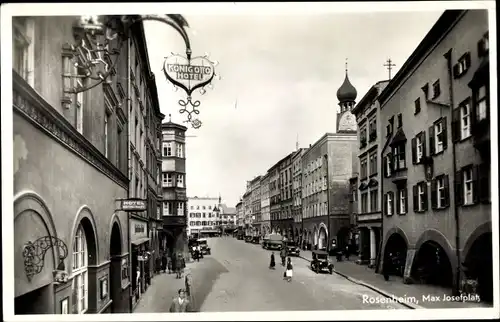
(191, 110)
(34, 254)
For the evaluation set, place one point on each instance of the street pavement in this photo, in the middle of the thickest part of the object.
(249, 285)
(236, 278)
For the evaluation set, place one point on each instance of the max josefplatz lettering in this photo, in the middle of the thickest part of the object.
(189, 72)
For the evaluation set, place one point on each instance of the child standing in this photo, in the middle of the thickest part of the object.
(289, 270)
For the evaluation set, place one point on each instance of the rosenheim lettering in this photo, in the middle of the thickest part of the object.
(189, 72)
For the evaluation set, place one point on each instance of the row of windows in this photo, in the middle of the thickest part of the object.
(370, 205)
(172, 208)
(372, 158)
(204, 215)
(198, 207)
(315, 187)
(168, 179)
(313, 166)
(369, 131)
(206, 223)
(471, 187)
(315, 210)
(168, 149)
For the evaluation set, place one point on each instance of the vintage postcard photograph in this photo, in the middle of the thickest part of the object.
(249, 161)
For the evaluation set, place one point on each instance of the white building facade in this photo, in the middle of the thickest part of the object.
(203, 215)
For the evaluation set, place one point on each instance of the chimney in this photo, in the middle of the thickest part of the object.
(310, 145)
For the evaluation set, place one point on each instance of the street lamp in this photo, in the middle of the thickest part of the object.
(97, 47)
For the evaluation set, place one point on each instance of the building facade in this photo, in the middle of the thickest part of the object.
(286, 197)
(144, 164)
(70, 171)
(274, 197)
(436, 186)
(240, 216)
(297, 194)
(327, 167)
(247, 210)
(204, 216)
(256, 205)
(369, 213)
(173, 172)
(228, 218)
(265, 227)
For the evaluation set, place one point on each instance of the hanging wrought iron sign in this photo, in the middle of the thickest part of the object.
(189, 74)
(34, 256)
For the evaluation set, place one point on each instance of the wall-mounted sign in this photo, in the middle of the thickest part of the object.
(133, 205)
(138, 229)
(188, 74)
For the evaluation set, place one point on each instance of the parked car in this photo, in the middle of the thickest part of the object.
(248, 239)
(256, 239)
(321, 262)
(205, 250)
(292, 248)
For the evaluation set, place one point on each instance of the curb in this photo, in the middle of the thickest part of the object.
(373, 288)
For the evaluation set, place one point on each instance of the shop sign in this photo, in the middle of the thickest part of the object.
(138, 229)
(133, 205)
(188, 74)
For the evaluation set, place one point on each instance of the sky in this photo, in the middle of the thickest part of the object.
(279, 78)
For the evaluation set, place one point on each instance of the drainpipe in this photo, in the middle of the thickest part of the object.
(448, 57)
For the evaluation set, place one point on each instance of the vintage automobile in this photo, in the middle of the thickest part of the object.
(248, 239)
(292, 248)
(320, 262)
(256, 239)
(205, 250)
(273, 242)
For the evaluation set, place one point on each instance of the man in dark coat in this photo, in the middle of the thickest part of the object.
(272, 264)
(173, 260)
(283, 254)
(164, 262)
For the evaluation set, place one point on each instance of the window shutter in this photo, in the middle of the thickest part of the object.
(426, 196)
(475, 185)
(446, 191)
(455, 125)
(385, 204)
(459, 192)
(467, 60)
(392, 201)
(414, 150)
(405, 192)
(434, 194)
(384, 165)
(398, 202)
(431, 140)
(445, 132)
(424, 144)
(415, 198)
(484, 182)
(456, 73)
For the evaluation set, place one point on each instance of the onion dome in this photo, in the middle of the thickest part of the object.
(346, 92)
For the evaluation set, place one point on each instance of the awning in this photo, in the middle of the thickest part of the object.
(140, 241)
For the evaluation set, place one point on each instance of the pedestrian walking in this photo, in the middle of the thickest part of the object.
(272, 264)
(180, 303)
(179, 266)
(347, 252)
(283, 255)
(157, 265)
(188, 283)
(289, 270)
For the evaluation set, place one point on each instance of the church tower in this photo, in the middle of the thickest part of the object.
(346, 94)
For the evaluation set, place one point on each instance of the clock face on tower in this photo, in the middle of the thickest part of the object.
(347, 122)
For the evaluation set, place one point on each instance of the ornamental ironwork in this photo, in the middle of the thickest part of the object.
(34, 254)
(97, 48)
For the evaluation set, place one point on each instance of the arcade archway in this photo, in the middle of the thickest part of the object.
(115, 251)
(395, 255)
(479, 265)
(322, 238)
(432, 265)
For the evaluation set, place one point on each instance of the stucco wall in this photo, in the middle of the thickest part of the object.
(463, 37)
(65, 183)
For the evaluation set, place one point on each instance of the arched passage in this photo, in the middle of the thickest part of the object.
(479, 265)
(432, 265)
(395, 255)
(322, 238)
(343, 237)
(315, 236)
(115, 251)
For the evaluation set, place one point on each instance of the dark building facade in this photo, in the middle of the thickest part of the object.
(174, 232)
(285, 217)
